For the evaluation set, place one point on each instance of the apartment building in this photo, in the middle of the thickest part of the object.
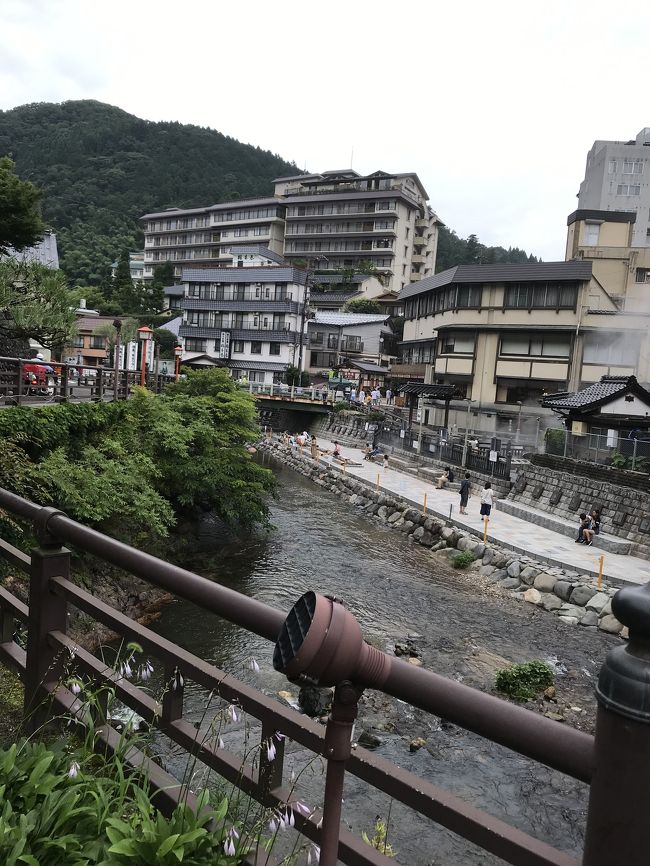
(507, 334)
(339, 339)
(338, 219)
(617, 178)
(331, 221)
(211, 237)
(251, 319)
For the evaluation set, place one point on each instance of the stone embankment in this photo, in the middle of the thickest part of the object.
(572, 597)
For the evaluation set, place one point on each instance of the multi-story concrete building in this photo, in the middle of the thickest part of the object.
(336, 338)
(211, 237)
(617, 178)
(251, 319)
(341, 218)
(508, 334)
(334, 221)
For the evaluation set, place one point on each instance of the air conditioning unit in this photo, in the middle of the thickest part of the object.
(579, 428)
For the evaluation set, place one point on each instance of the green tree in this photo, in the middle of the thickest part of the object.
(128, 333)
(293, 376)
(362, 305)
(35, 303)
(21, 225)
(166, 340)
(126, 294)
(163, 275)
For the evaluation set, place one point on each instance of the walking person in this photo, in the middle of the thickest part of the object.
(362, 396)
(487, 500)
(465, 492)
(389, 396)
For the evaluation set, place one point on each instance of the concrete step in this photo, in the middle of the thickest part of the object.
(608, 543)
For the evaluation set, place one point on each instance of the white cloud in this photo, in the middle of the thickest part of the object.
(495, 106)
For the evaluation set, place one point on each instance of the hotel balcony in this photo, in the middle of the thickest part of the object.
(419, 241)
(417, 259)
(422, 223)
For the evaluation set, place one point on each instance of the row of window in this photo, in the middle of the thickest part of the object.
(422, 354)
(238, 347)
(210, 319)
(253, 231)
(338, 228)
(248, 214)
(628, 166)
(352, 207)
(349, 342)
(628, 189)
(528, 296)
(241, 291)
(338, 246)
(79, 342)
(177, 223)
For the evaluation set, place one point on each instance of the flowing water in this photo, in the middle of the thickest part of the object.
(397, 589)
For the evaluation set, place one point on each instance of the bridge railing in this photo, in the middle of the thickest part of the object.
(279, 390)
(614, 763)
(25, 380)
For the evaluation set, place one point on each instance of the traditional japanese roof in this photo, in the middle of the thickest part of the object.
(257, 365)
(325, 317)
(174, 291)
(526, 272)
(258, 250)
(367, 367)
(441, 392)
(597, 395)
(269, 274)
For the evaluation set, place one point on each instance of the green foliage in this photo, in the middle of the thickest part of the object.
(21, 225)
(523, 682)
(101, 169)
(362, 305)
(463, 559)
(379, 840)
(341, 406)
(293, 376)
(63, 809)
(166, 340)
(554, 439)
(453, 250)
(35, 303)
(619, 461)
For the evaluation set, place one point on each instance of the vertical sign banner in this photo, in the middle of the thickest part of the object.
(132, 356)
(224, 345)
(150, 354)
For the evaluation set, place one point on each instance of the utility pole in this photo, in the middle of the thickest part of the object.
(117, 324)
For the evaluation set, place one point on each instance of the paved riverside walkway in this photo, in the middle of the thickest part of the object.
(504, 529)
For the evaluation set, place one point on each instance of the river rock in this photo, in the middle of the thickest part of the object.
(533, 596)
(563, 589)
(572, 610)
(416, 744)
(488, 555)
(607, 608)
(509, 583)
(465, 542)
(414, 660)
(353, 499)
(545, 582)
(447, 553)
(582, 594)
(418, 533)
(499, 560)
(497, 575)
(569, 620)
(590, 618)
(382, 512)
(486, 570)
(368, 740)
(426, 539)
(610, 624)
(550, 602)
(449, 533)
(529, 574)
(478, 550)
(407, 526)
(514, 569)
(439, 545)
(597, 602)
(313, 701)
(429, 524)
(412, 515)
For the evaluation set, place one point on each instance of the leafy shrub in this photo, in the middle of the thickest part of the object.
(524, 681)
(341, 406)
(463, 560)
(554, 438)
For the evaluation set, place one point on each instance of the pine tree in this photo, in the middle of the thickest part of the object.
(21, 225)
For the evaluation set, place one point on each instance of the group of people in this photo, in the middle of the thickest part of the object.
(588, 527)
(373, 398)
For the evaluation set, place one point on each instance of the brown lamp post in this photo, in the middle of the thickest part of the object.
(178, 351)
(144, 335)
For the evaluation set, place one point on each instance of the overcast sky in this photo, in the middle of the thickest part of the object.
(494, 105)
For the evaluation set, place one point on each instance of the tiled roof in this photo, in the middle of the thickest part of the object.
(331, 297)
(174, 291)
(367, 367)
(256, 365)
(434, 391)
(173, 325)
(325, 317)
(258, 250)
(597, 394)
(501, 273)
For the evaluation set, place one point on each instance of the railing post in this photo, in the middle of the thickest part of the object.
(619, 800)
(338, 746)
(47, 612)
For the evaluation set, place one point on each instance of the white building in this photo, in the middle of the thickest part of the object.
(617, 178)
(250, 318)
(338, 338)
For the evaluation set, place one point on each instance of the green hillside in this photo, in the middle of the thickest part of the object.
(102, 168)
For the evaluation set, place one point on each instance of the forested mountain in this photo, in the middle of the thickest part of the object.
(102, 168)
(453, 250)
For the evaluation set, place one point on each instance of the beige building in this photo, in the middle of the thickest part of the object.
(507, 334)
(332, 221)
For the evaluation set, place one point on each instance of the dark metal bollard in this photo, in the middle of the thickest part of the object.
(619, 801)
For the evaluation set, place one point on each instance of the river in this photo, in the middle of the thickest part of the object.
(462, 630)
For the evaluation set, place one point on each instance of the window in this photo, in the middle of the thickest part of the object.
(316, 339)
(323, 360)
(611, 348)
(459, 343)
(592, 232)
(628, 189)
(78, 342)
(238, 347)
(469, 296)
(536, 345)
(642, 275)
(332, 341)
(274, 348)
(98, 342)
(194, 345)
(256, 347)
(613, 166)
(632, 166)
(538, 296)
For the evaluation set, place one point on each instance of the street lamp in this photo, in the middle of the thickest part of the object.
(178, 351)
(144, 335)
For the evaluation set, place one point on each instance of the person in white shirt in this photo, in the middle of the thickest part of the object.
(487, 499)
(353, 395)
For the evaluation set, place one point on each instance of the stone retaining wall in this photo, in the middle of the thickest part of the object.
(570, 596)
(625, 512)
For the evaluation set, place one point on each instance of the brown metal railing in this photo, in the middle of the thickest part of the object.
(614, 763)
(20, 384)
